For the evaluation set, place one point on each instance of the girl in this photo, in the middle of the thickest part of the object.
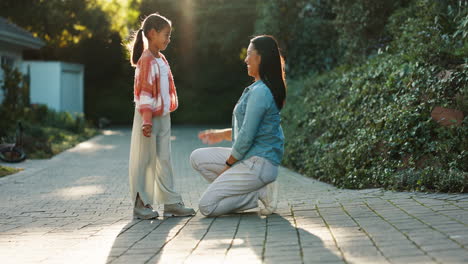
(150, 168)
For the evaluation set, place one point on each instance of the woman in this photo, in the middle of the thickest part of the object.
(241, 175)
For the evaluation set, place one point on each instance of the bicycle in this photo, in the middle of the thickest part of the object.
(14, 152)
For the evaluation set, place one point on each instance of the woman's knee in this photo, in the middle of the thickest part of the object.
(195, 157)
(205, 211)
(206, 208)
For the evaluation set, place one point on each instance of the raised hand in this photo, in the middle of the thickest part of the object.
(211, 136)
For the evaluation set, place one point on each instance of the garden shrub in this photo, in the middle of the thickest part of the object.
(361, 26)
(15, 98)
(46, 132)
(305, 31)
(369, 124)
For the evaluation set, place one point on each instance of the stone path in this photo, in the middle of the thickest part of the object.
(75, 208)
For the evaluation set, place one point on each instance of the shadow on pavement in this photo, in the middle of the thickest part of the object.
(272, 239)
(237, 238)
(141, 240)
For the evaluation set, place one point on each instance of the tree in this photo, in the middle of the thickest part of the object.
(206, 54)
(83, 32)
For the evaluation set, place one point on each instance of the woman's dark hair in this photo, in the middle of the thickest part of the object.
(271, 67)
(153, 21)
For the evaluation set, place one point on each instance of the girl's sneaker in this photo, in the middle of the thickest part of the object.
(145, 212)
(177, 209)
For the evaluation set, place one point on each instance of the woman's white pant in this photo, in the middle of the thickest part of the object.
(150, 168)
(237, 189)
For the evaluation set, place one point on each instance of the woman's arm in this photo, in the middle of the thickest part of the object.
(213, 136)
(257, 104)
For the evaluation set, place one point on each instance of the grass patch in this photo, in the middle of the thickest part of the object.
(4, 171)
(45, 132)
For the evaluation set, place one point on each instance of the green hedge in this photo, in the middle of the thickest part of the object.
(46, 132)
(370, 125)
(305, 31)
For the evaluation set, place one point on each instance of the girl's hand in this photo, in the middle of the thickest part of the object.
(211, 136)
(147, 130)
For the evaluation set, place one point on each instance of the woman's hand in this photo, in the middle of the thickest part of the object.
(231, 160)
(225, 169)
(147, 130)
(212, 136)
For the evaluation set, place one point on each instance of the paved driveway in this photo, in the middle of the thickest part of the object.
(75, 208)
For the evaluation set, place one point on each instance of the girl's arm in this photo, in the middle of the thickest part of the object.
(143, 86)
(144, 90)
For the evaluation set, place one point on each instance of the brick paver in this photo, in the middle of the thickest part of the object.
(75, 208)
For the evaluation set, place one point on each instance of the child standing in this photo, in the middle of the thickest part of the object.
(150, 168)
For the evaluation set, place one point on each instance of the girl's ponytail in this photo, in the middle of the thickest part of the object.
(137, 49)
(153, 21)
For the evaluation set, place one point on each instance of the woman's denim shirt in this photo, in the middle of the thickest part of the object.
(256, 128)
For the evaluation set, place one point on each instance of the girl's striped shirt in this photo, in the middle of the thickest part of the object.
(147, 88)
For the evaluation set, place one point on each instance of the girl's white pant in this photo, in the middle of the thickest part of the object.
(150, 168)
(237, 189)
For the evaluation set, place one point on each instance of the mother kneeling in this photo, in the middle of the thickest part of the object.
(240, 175)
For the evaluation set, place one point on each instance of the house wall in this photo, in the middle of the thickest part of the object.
(44, 83)
(59, 85)
(72, 94)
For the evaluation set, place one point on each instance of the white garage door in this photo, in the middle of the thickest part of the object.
(71, 95)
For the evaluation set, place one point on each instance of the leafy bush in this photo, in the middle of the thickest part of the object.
(46, 132)
(370, 125)
(361, 26)
(40, 114)
(46, 141)
(305, 31)
(16, 97)
(207, 40)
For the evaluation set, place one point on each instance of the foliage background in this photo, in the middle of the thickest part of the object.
(367, 121)
(363, 76)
